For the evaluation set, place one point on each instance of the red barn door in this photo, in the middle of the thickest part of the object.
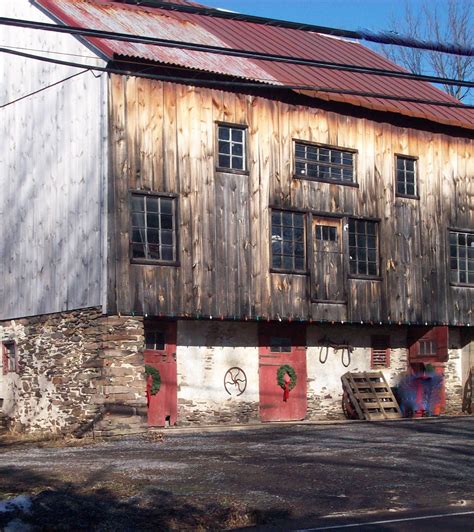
(282, 344)
(160, 353)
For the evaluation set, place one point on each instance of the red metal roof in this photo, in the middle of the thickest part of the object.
(201, 29)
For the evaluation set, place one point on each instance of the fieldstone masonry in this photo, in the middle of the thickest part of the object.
(82, 372)
(77, 371)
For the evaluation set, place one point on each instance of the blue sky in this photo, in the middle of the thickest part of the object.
(348, 14)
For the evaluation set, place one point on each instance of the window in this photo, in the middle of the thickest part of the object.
(155, 340)
(327, 233)
(380, 355)
(10, 362)
(427, 344)
(363, 247)
(323, 163)
(406, 176)
(280, 345)
(461, 251)
(288, 241)
(154, 228)
(231, 148)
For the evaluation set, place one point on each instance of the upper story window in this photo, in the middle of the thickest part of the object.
(154, 222)
(363, 247)
(322, 163)
(231, 148)
(406, 176)
(461, 252)
(288, 241)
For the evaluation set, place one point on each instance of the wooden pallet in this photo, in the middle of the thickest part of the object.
(370, 395)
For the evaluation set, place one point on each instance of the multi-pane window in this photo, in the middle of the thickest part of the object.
(327, 233)
(231, 147)
(155, 340)
(461, 251)
(323, 163)
(154, 228)
(406, 176)
(380, 355)
(288, 241)
(279, 344)
(363, 247)
(427, 348)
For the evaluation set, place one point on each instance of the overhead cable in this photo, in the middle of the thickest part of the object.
(241, 83)
(127, 37)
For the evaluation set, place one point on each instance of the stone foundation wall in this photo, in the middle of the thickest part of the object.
(71, 367)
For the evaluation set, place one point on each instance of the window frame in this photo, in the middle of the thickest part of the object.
(458, 283)
(144, 260)
(415, 159)
(353, 151)
(244, 129)
(350, 275)
(7, 366)
(304, 214)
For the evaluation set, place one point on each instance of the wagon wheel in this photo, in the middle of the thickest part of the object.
(347, 407)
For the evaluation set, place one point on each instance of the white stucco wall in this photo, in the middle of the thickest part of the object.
(325, 367)
(206, 351)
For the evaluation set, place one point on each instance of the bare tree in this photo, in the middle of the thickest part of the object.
(457, 27)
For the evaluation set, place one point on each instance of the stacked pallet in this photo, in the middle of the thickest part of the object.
(370, 396)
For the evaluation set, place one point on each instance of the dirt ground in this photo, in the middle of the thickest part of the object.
(275, 476)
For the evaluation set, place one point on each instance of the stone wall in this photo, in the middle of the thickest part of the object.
(73, 368)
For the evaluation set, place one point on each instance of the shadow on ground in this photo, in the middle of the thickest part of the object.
(67, 506)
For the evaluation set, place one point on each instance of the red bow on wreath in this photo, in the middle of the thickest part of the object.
(286, 391)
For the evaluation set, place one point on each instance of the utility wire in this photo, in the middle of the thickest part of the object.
(127, 37)
(235, 83)
(42, 89)
(384, 37)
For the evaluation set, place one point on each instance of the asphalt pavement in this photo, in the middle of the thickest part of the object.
(394, 475)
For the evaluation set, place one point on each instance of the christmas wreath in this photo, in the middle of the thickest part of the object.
(155, 379)
(282, 371)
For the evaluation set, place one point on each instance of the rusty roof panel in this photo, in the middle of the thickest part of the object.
(196, 28)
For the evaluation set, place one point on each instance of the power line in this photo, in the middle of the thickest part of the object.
(116, 36)
(42, 89)
(234, 83)
(384, 37)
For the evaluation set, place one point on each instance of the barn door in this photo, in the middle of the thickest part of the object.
(327, 275)
(280, 345)
(160, 354)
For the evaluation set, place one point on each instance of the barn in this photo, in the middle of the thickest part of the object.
(209, 218)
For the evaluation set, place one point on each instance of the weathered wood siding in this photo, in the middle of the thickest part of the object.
(52, 165)
(163, 140)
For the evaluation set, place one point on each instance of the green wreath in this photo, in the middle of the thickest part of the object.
(282, 371)
(155, 379)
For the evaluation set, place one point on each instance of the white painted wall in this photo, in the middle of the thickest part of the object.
(324, 369)
(52, 172)
(206, 350)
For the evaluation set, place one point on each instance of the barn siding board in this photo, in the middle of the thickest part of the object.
(225, 217)
(51, 201)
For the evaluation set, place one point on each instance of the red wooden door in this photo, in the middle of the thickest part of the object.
(160, 353)
(281, 344)
(429, 346)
